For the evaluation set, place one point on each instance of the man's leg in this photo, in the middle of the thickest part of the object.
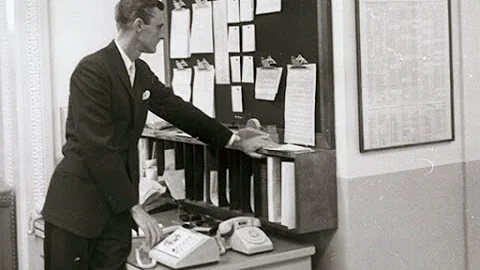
(112, 247)
(64, 250)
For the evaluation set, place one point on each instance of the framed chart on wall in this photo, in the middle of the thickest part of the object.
(405, 73)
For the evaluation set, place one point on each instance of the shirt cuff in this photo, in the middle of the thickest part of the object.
(233, 138)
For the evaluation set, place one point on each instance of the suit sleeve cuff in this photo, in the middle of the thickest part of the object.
(233, 138)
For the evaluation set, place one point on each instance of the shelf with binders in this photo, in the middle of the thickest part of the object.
(290, 192)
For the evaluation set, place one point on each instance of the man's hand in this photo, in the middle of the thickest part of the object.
(249, 140)
(148, 224)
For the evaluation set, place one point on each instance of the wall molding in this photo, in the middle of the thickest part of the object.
(26, 97)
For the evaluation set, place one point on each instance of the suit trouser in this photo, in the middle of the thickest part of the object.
(109, 251)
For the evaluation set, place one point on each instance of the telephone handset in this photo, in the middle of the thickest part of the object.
(243, 234)
(182, 248)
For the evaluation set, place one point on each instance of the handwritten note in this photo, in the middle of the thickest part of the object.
(180, 37)
(201, 40)
(181, 83)
(233, 39)
(233, 11)
(203, 85)
(248, 38)
(220, 32)
(300, 104)
(268, 6)
(247, 69)
(267, 83)
(235, 67)
(237, 101)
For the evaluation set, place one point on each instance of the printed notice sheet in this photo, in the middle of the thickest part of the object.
(236, 69)
(268, 6)
(203, 85)
(180, 37)
(267, 83)
(300, 104)
(220, 32)
(233, 39)
(405, 73)
(248, 38)
(201, 40)
(181, 83)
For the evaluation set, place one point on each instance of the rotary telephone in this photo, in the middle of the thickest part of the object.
(243, 234)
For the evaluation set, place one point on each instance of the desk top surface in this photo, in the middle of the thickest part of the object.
(283, 250)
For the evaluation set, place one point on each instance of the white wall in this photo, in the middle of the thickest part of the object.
(352, 163)
(78, 28)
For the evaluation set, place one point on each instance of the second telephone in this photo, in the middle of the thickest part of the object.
(243, 234)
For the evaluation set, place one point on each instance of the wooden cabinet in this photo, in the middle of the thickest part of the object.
(228, 183)
(8, 247)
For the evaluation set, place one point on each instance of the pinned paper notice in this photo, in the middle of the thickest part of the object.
(248, 38)
(220, 40)
(247, 69)
(246, 10)
(237, 101)
(268, 6)
(233, 11)
(235, 68)
(201, 40)
(233, 39)
(181, 83)
(180, 37)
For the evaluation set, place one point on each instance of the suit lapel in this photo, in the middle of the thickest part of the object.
(119, 67)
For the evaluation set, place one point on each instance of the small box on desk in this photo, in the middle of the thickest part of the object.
(227, 183)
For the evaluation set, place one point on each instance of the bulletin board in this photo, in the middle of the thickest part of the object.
(301, 27)
(404, 73)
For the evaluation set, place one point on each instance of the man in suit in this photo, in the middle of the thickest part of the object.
(92, 200)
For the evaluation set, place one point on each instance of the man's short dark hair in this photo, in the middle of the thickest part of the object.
(126, 11)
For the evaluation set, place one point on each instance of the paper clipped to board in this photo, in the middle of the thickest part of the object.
(201, 40)
(181, 83)
(300, 104)
(203, 85)
(180, 34)
(267, 83)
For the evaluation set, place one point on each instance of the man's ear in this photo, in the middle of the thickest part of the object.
(138, 25)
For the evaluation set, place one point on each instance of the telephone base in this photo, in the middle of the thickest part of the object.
(250, 240)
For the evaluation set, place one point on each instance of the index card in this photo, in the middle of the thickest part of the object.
(201, 40)
(246, 10)
(180, 34)
(235, 67)
(248, 38)
(233, 13)
(300, 104)
(220, 32)
(237, 101)
(181, 83)
(233, 39)
(267, 83)
(247, 69)
(203, 95)
(268, 6)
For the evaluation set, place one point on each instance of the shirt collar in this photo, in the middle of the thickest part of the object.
(126, 59)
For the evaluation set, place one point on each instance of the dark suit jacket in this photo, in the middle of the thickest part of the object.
(99, 174)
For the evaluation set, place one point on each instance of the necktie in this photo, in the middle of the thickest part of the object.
(131, 73)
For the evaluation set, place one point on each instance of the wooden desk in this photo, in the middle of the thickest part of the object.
(287, 255)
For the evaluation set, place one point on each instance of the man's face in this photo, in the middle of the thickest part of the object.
(153, 32)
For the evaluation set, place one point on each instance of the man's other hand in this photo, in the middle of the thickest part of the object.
(249, 140)
(153, 231)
